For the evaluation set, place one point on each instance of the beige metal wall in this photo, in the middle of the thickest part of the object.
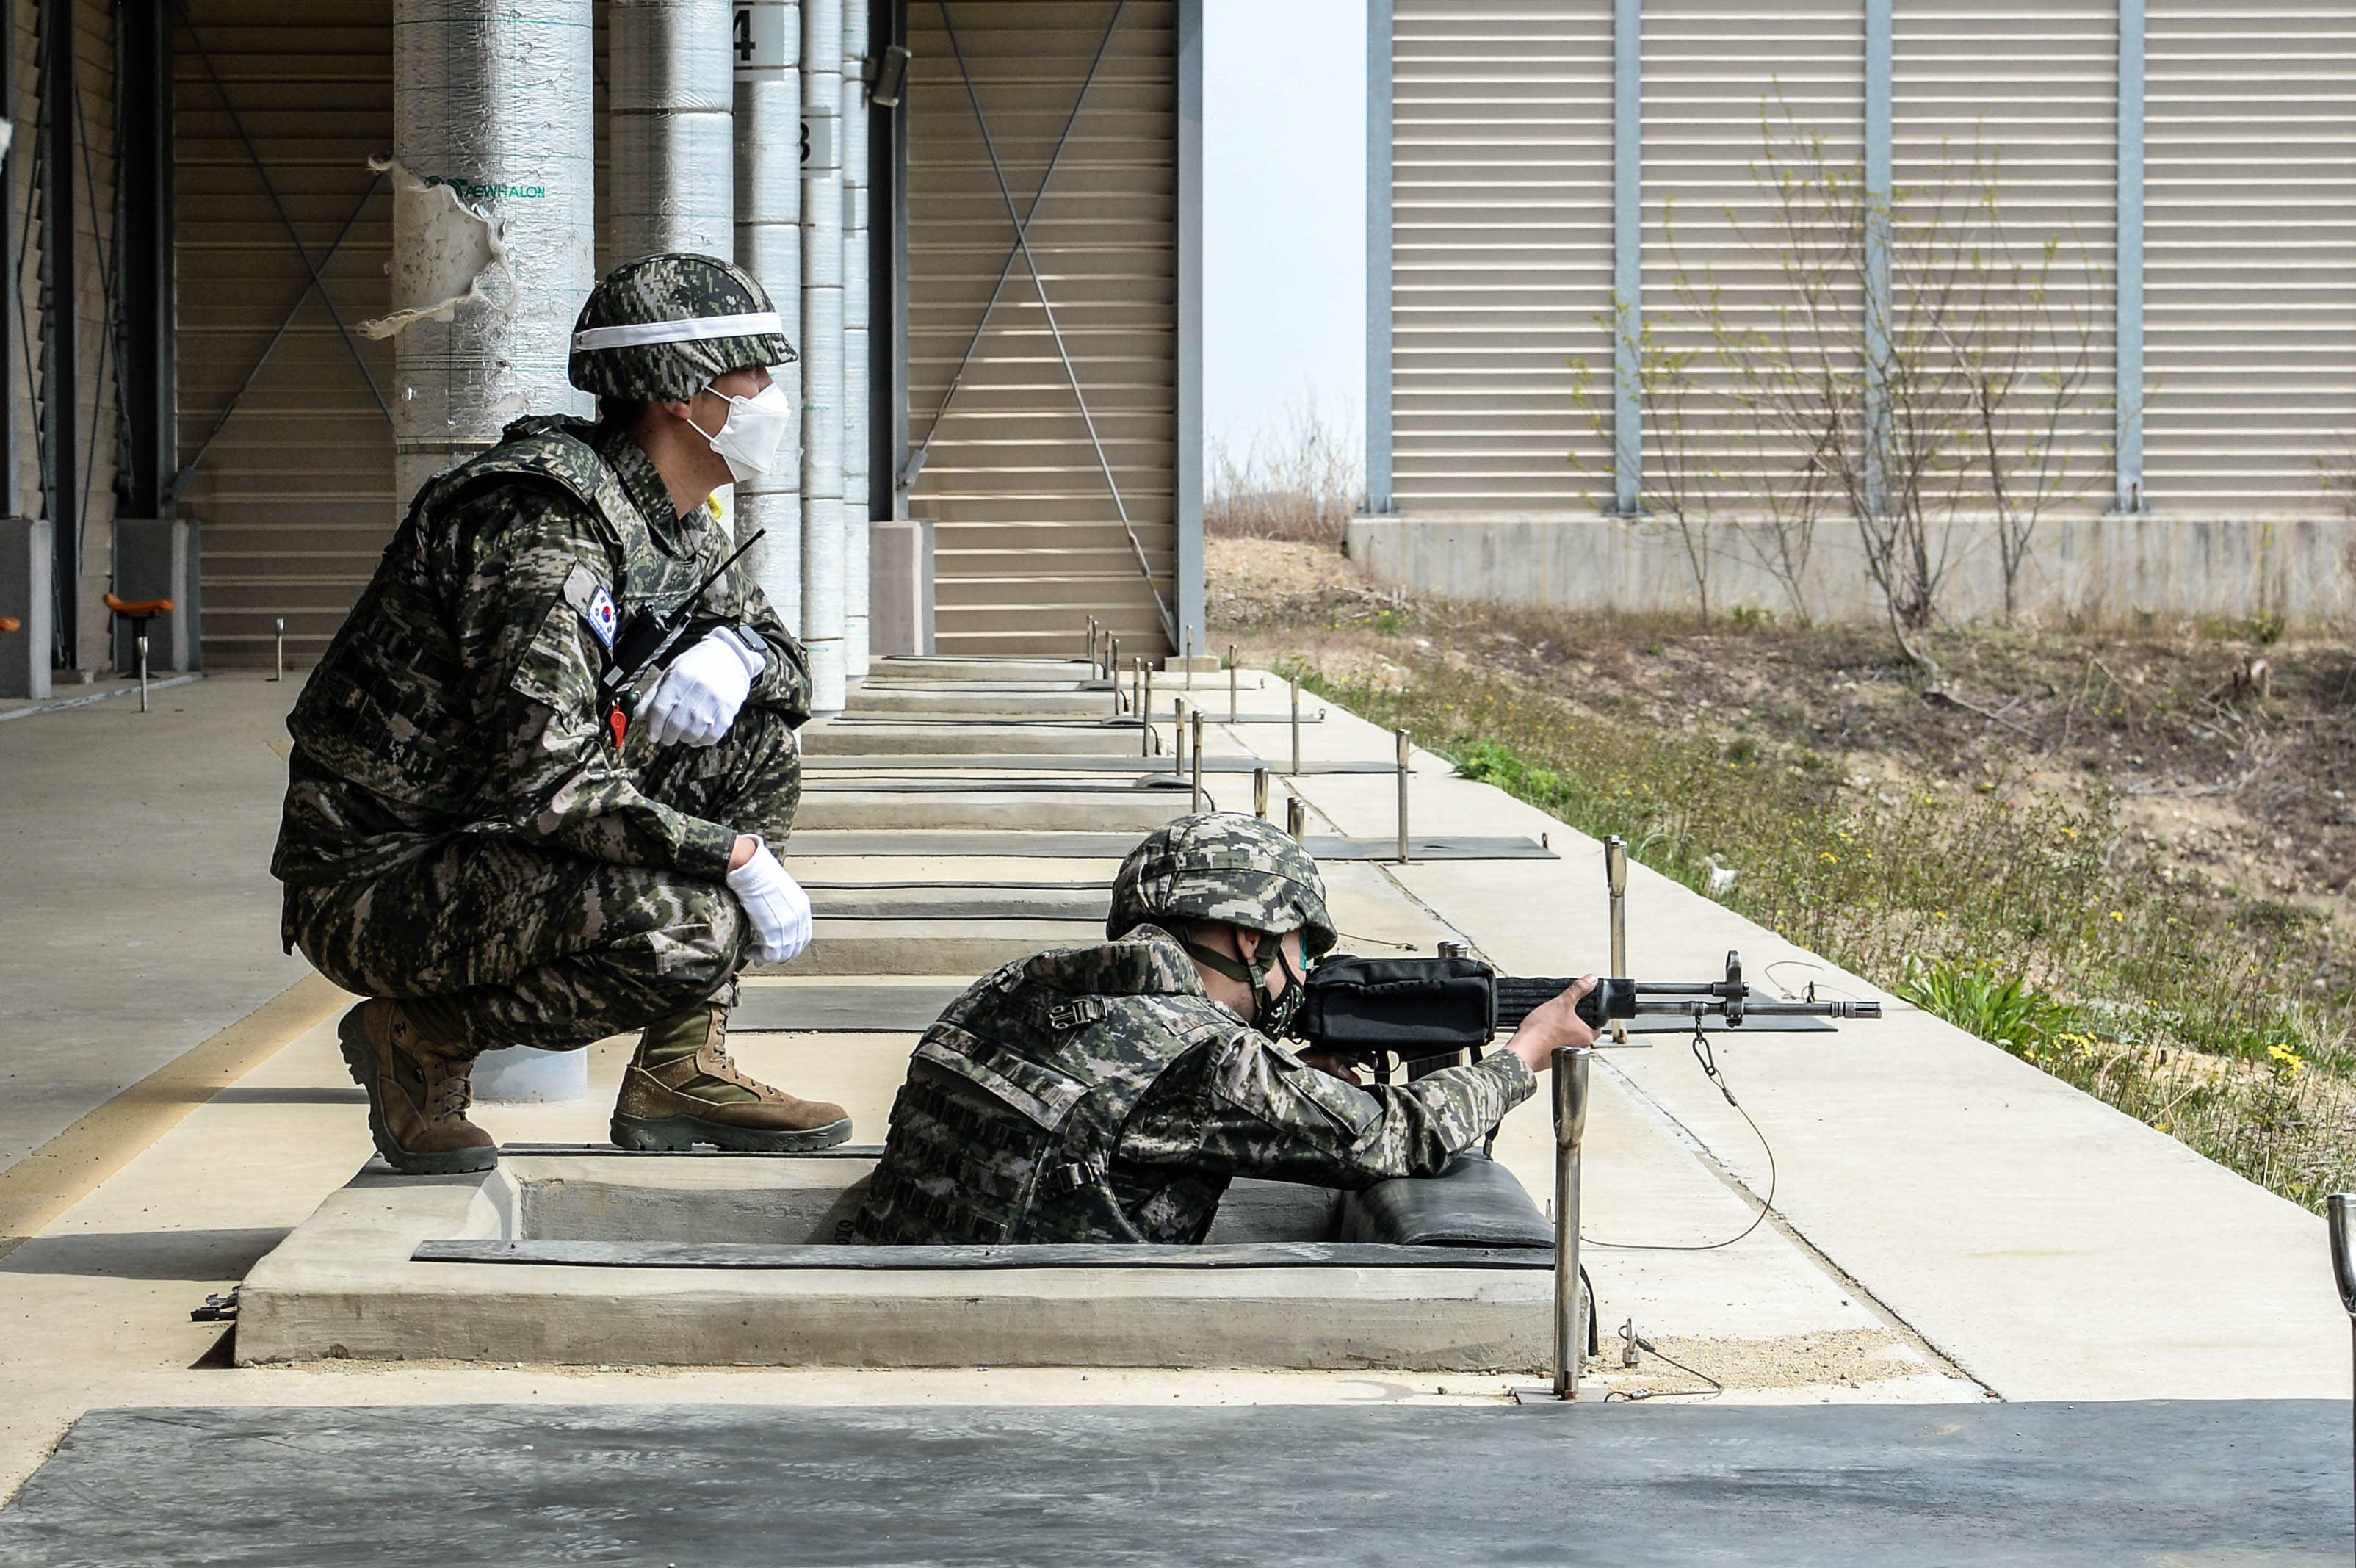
(1028, 543)
(2251, 252)
(1712, 83)
(296, 490)
(1501, 192)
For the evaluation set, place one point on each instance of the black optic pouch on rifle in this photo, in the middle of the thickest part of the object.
(1417, 1007)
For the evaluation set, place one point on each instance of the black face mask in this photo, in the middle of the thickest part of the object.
(1271, 1015)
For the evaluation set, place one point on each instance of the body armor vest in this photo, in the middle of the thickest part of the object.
(386, 706)
(1009, 1123)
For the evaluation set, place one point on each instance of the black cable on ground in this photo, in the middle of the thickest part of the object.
(1708, 1061)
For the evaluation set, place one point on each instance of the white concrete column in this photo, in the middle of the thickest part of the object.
(855, 372)
(493, 221)
(822, 552)
(769, 50)
(669, 125)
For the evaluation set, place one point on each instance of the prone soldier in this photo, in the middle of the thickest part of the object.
(1109, 1093)
(495, 850)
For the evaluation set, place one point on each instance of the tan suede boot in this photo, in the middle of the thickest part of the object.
(418, 1087)
(682, 1089)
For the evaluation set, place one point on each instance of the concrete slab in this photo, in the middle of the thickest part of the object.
(1640, 1486)
(928, 947)
(973, 700)
(1134, 813)
(876, 737)
(140, 916)
(358, 1280)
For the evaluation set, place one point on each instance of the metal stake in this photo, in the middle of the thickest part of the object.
(1145, 708)
(1195, 722)
(1092, 645)
(1178, 735)
(1571, 1069)
(1259, 793)
(1296, 724)
(1233, 675)
(1296, 819)
(142, 671)
(1190, 658)
(281, 649)
(1615, 877)
(1402, 787)
(2339, 1212)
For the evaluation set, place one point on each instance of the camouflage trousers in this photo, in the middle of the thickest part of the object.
(537, 947)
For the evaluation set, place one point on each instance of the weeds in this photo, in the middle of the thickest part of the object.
(1304, 483)
(2019, 920)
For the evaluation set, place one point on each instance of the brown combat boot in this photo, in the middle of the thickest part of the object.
(682, 1089)
(418, 1088)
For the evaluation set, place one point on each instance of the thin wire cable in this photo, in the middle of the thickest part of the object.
(1708, 1061)
(1634, 1395)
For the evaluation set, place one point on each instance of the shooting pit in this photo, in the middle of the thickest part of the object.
(584, 1255)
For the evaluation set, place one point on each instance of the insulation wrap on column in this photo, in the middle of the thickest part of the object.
(493, 221)
(671, 106)
(769, 50)
(822, 552)
(856, 375)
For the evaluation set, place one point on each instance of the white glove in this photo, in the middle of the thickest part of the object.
(779, 909)
(696, 700)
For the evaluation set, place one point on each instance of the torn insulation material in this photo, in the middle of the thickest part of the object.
(443, 251)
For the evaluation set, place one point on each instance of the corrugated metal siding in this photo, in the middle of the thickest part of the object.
(2037, 84)
(1501, 255)
(1027, 542)
(2251, 252)
(295, 492)
(1713, 74)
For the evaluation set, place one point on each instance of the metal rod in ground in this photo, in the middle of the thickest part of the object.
(1296, 817)
(1296, 726)
(142, 671)
(1259, 793)
(1178, 736)
(2339, 1214)
(281, 649)
(1402, 787)
(1145, 708)
(1233, 674)
(1571, 1069)
(1194, 721)
(1615, 878)
(1189, 656)
(1092, 644)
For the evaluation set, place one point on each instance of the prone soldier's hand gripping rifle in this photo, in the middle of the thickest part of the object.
(1422, 1008)
(647, 640)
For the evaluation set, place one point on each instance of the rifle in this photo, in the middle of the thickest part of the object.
(1422, 1008)
(647, 637)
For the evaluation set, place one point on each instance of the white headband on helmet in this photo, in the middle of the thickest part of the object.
(694, 330)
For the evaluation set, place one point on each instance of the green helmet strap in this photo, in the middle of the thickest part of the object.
(1270, 1013)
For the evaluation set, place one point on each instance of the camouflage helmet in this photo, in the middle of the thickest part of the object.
(1222, 865)
(659, 328)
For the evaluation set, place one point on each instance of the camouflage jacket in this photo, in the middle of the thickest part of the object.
(1098, 1094)
(460, 696)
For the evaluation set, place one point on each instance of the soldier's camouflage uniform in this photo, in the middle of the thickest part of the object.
(458, 825)
(1099, 1094)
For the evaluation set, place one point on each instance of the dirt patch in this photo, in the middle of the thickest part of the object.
(2231, 753)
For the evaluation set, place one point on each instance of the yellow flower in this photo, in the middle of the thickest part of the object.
(2289, 1058)
(2117, 916)
(1828, 854)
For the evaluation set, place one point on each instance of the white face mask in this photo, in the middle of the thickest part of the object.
(755, 428)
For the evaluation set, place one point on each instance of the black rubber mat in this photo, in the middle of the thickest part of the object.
(1629, 1485)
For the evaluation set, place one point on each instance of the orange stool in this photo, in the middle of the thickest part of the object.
(10, 623)
(139, 612)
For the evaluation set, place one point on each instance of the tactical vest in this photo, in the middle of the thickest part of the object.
(386, 707)
(1013, 1111)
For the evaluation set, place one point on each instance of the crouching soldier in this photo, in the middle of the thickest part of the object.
(493, 850)
(1109, 1093)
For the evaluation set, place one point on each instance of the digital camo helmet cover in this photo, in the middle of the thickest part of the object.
(1222, 865)
(659, 328)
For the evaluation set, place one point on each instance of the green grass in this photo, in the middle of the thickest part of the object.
(2022, 922)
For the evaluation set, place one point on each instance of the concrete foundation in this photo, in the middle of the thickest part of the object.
(2119, 567)
(360, 1280)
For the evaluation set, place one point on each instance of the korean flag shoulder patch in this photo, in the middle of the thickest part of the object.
(602, 616)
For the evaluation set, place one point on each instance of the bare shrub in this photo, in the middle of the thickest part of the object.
(1302, 482)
